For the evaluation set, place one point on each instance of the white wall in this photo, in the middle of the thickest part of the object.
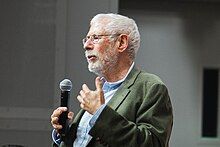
(178, 40)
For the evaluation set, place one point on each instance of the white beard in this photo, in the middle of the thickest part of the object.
(102, 65)
(96, 67)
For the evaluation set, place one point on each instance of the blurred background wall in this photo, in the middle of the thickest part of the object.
(40, 44)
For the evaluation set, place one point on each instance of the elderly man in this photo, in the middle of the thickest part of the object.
(129, 107)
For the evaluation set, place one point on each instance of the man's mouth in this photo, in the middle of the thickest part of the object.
(91, 57)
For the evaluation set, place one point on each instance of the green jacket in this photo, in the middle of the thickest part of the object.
(138, 115)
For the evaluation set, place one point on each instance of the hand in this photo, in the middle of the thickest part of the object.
(91, 100)
(55, 117)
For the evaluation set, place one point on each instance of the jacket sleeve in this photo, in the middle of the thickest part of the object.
(152, 127)
(60, 145)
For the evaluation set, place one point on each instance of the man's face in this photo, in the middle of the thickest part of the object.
(100, 53)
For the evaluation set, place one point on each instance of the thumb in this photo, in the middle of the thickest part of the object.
(98, 83)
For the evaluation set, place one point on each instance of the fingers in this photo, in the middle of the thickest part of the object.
(85, 88)
(83, 94)
(98, 83)
(91, 100)
(55, 124)
(58, 111)
(55, 117)
(70, 115)
(80, 99)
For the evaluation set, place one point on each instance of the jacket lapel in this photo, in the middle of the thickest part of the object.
(74, 125)
(123, 90)
(78, 117)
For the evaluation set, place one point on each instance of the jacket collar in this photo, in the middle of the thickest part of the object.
(124, 90)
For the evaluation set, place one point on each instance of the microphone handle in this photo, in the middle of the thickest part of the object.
(63, 117)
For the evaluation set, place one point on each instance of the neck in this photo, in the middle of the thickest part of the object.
(118, 71)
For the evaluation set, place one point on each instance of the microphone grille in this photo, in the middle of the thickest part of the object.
(66, 85)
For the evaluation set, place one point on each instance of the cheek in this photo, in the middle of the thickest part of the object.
(101, 50)
(102, 47)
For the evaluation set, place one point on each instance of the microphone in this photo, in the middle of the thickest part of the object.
(65, 86)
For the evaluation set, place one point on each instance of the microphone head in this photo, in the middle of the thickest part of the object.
(66, 85)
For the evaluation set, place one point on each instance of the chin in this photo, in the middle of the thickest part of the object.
(98, 73)
(95, 68)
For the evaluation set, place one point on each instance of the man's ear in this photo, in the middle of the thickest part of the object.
(123, 42)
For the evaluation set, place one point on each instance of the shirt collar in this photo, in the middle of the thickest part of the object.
(108, 86)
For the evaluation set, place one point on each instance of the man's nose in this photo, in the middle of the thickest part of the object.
(88, 45)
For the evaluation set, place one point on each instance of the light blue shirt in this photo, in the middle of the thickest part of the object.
(88, 120)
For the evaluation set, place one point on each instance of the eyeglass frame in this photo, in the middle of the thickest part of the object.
(96, 40)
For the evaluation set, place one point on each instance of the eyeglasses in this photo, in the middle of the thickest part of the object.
(95, 38)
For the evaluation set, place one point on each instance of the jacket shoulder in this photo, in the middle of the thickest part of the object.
(149, 78)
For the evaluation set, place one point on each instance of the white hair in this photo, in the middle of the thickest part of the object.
(118, 24)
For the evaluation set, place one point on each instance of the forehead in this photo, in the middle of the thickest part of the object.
(98, 26)
(95, 30)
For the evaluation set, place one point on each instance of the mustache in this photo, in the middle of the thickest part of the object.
(91, 53)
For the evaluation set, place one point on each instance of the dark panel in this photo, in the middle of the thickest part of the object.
(210, 103)
(171, 5)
